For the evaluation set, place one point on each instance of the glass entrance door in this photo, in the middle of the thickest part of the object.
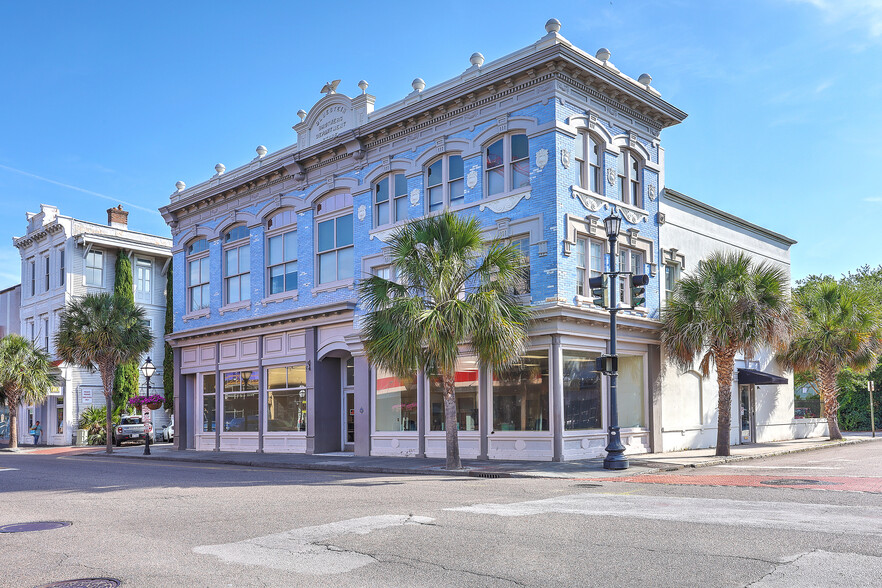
(746, 410)
(348, 405)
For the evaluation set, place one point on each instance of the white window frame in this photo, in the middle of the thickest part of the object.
(46, 332)
(201, 257)
(280, 231)
(626, 184)
(338, 211)
(143, 269)
(392, 199)
(507, 164)
(586, 266)
(674, 268)
(237, 244)
(61, 268)
(48, 270)
(624, 285)
(32, 265)
(445, 184)
(523, 243)
(585, 170)
(94, 255)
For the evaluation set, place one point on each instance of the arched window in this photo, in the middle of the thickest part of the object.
(237, 265)
(390, 199)
(507, 164)
(444, 182)
(629, 170)
(589, 162)
(197, 275)
(281, 252)
(335, 258)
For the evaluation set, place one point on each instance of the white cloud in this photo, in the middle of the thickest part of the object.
(873, 199)
(852, 14)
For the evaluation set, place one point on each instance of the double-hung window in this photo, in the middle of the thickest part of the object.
(589, 263)
(197, 275)
(672, 275)
(507, 164)
(629, 184)
(588, 159)
(630, 260)
(237, 264)
(390, 200)
(522, 284)
(334, 242)
(282, 252)
(46, 333)
(61, 267)
(143, 273)
(46, 273)
(444, 182)
(95, 268)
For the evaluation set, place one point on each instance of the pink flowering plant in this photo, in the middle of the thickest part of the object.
(139, 400)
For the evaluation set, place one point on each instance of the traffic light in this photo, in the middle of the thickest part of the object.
(600, 290)
(638, 290)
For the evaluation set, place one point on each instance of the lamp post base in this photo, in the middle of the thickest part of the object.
(615, 461)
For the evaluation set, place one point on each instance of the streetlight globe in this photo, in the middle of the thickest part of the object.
(148, 369)
(612, 223)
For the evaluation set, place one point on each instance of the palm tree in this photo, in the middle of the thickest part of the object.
(729, 305)
(102, 331)
(25, 376)
(453, 290)
(838, 326)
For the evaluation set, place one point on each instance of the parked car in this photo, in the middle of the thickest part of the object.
(132, 428)
(803, 413)
(167, 433)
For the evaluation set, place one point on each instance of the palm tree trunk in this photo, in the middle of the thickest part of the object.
(12, 403)
(830, 396)
(450, 424)
(725, 361)
(107, 373)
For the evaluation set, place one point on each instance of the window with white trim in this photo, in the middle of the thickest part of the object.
(32, 268)
(589, 263)
(198, 275)
(46, 273)
(629, 171)
(630, 260)
(335, 258)
(286, 398)
(672, 276)
(281, 252)
(522, 284)
(445, 186)
(589, 160)
(143, 271)
(95, 268)
(61, 267)
(390, 199)
(237, 265)
(507, 164)
(46, 332)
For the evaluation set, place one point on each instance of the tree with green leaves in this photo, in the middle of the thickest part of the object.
(125, 379)
(838, 326)
(168, 362)
(728, 305)
(453, 291)
(102, 331)
(25, 376)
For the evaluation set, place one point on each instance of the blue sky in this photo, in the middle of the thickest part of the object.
(109, 102)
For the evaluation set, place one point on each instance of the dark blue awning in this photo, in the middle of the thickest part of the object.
(746, 376)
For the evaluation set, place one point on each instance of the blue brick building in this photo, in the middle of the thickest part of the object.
(539, 145)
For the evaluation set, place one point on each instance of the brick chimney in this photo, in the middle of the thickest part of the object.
(118, 218)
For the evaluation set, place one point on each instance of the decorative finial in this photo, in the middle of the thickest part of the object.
(330, 88)
(645, 79)
(180, 185)
(220, 169)
(261, 151)
(302, 114)
(418, 84)
(476, 59)
(363, 86)
(603, 54)
(552, 26)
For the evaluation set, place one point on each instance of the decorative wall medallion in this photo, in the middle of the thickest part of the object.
(507, 203)
(611, 176)
(542, 158)
(520, 445)
(472, 179)
(362, 212)
(651, 191)
(565, 158)
(415, 196)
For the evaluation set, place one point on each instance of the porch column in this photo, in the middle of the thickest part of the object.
(557, 419)
(362, 405)
(261, 396)
(653, 389)
(310, 335)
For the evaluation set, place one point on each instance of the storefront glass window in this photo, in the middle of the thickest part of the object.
(59, 415)
(240, 401)
(583, 404)
(466, 392)
(520, 394)
(630, 391)
(396, 402)
(208, 403)
(286, 398)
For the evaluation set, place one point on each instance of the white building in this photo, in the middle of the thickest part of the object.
(762, 391)
(63, 258)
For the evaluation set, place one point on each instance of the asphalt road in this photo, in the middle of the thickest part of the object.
(175, 524)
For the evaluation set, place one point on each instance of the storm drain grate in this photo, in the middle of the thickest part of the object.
(489, 475)
(588, 485)
(796, 482)
(37, 526)
(84, 583)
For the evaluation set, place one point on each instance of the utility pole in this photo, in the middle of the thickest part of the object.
(871, 387)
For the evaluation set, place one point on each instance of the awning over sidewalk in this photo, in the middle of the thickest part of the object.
(746, 376)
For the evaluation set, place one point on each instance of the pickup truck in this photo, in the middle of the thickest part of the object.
(132, 428)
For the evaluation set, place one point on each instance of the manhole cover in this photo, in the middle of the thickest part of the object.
(796, 482)
(84, 583)
(38, 526)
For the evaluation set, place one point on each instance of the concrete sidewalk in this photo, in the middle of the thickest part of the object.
(591, 468)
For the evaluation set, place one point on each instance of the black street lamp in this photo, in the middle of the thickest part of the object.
(148, 369)
(615, 451)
